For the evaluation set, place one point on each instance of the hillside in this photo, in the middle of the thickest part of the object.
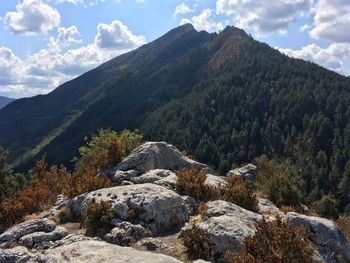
(4, 101)
(225, 98)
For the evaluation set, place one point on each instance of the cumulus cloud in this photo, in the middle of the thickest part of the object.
(182, 9)
(331, 57)
(117, 35)
(203, 21)
(332, 20)
(58, 62)
(264, 16)
(32, 16)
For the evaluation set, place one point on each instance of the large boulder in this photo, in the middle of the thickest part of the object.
(15, 255)
(267, 208)
(100, 251)
(155, 155)
(35, 238)
(228, 225)
(247, 172)
(151, 205)
(124, 233)
(215, 181)
(328, 238)
(152, 176)
(14, 233)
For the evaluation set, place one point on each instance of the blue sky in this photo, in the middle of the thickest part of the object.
(44, 43)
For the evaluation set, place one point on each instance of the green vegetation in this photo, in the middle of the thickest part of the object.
(326, 207)
(225, 98)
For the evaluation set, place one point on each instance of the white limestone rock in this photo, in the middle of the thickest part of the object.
(247, 172)
(155, 155)
(215, 181)
(152, 176)
(99, 251)
(16, 232)
(124, 233)
(35, 238)
(15, 255)
(328, 238)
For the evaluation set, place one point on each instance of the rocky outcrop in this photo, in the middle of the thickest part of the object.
(151, 205)
(215, 181)
(100, 251)
(152, 176)
(247, 172)
(155, 155)
(124, 233)
(28, 227)
(228, 225)
(329, 240)
(37, 238)
(267, 208)
(15, 255)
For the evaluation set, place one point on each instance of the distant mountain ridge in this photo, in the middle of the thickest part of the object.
(4, 101)
(224, 97)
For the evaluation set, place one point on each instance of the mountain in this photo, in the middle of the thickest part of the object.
(4, 101)
(224, 97)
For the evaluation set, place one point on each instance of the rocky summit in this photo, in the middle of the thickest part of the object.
(149, 215)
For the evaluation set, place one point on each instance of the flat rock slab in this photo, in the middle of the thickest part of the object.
(14, 233)
(100, 251)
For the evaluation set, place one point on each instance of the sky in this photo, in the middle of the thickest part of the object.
(44, 43)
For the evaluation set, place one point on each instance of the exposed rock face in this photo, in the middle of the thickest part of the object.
(228, 225)
(215, 181)
(168, 182)
(124, 233)
(15, 255)
(155, 155)
(154, 206)
(152, 176)
(330, 241)
(25, 228)
(40, 237)
(247, 172)
(100, 251)
(266, 207)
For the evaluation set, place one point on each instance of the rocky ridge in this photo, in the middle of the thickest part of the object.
(145, 188)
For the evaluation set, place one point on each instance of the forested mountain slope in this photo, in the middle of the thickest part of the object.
(225, 98)
(4, 101)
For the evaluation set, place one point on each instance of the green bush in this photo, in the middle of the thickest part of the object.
(280, 181)
(326, 207)
(98, 218)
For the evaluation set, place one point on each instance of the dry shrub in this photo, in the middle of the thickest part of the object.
(240, 192)
(98, 218)
(197, 243)
(41, 193)
(286, 209)
(53, 218)
(344, 224)
(64, 214)
(202, 209)
(237, 190)
(277, 242)
(192, 182)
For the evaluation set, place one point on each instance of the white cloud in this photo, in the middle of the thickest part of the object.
(183, 8)
(203, 21)
(117, 35)
(264, 16)
(84, 3)
(304, 28)
(332, 20)
(32, 16)
(331, 57)
(46, 69)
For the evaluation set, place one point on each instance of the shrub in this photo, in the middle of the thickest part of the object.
(192, 182)
(276, 242)
(240, 192)
(237, 190)
(326, 207)
(104, 149)
(197, 243)
(280, 181)
(286, 209)
(98, 218)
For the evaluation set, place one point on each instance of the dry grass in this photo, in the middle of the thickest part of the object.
(287, 208)
(344, 224)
